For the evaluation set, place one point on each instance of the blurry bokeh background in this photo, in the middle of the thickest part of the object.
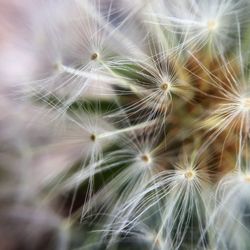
(30, 152)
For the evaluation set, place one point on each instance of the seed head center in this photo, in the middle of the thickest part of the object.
(57, 66)
(189, 175)
(93, 137)
(246, 103)
(145, 158)
(164, 86)
(212, 25)
(94, 56)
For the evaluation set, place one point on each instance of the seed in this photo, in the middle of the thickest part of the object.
(145, 158)
(211, 25)
(189, 175)
(93, 137)
(246, 103)
(94, 56)
(164, 86)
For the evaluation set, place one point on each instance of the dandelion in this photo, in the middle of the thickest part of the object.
(165, 194)
(232, 210)
(200, 23)
(135, 131)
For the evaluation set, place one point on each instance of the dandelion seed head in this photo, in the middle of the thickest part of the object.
(232, 210)
(189, 174)
(93, 137)
(212, 25)
(158, 92)
(94, 56)
(165, 86)
(245, 103)
(146, 158)
(57, 67)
